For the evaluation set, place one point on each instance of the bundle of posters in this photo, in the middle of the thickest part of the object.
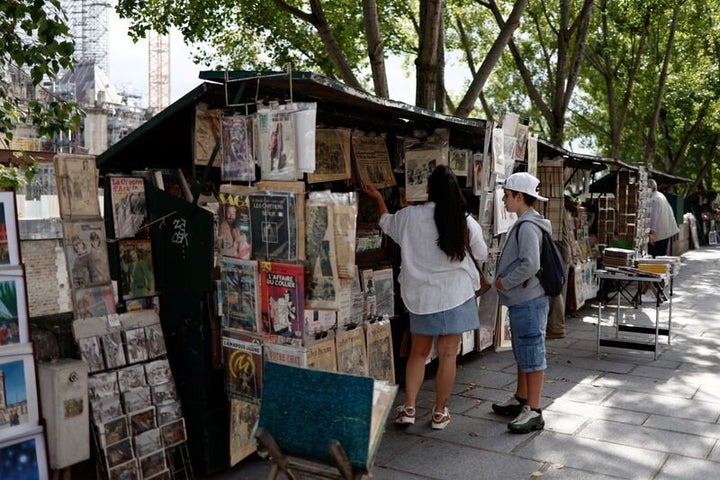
(274, 226)
(238, 161)
(282, 300)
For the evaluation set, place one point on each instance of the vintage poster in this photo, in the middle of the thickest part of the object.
(92, 354)
(234, 228)
(282, 300)
(238, 161)
(323, 279)
(419, 164)
(243, 417)
(13, 310)
(274, 227)
(86, 253)
(18, 397)
(332, 155)
(277, 144)
(242, 362)
(381, 364)
(207, 134)
(323, 356)
(240, 290)
(129, 206)
(460, 160)
(373, 161)
(94, 301)
(155, 341)
(137, 277)
(9, 241)
(76, 177)
(351, 352)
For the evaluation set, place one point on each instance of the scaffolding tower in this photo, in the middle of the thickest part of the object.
(88, 21)
(158, 71)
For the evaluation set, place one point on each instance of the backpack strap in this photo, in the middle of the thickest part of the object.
(517, 237)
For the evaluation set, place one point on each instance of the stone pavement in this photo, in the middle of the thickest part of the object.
(619, 414)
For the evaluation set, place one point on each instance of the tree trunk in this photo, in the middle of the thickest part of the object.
(440, 76)
(507, 28)
(426, 63)
(376, 52)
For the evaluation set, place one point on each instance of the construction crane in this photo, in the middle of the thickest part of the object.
(158, 71)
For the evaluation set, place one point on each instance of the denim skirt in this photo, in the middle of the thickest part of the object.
(454, 321)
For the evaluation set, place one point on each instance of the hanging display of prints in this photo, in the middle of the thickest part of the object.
(238, 161)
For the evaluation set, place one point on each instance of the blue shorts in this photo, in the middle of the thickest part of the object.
(454, 321)
(527, 328)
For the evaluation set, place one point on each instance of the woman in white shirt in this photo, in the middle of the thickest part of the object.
(437, 283)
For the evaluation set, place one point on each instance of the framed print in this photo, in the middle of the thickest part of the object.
(77, 185)
(502, 333)
(13, 307)
(9, 242)
(23, 458)
(18, 394)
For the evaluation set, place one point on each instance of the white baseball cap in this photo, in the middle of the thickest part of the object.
(523, 182)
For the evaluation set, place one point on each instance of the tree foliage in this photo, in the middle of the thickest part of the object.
(36, 39)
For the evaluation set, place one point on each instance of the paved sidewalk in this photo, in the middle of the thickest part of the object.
(619, 414)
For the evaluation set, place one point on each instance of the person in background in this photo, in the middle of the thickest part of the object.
(520, 290)
(556, 318)
(663, 225)
(437, 283)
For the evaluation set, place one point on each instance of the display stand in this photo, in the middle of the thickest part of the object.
(623, 285)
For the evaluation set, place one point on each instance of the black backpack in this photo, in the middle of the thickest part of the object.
(552, 267)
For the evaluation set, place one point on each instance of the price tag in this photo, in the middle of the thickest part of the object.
(113, 320)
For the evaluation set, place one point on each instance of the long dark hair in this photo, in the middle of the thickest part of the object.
(450, 212)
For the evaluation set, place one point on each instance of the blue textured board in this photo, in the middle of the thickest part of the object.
(304, 409)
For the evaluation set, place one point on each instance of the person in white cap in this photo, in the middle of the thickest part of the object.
(520, 290)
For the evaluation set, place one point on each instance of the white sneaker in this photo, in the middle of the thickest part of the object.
(527, 421)
(405, 415)
(440, 420)
(648, 298)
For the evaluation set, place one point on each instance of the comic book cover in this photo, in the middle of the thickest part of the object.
(86, 253)
(239, 284)
(129, 207)
(242, 362)
(234, 238)
(282, 300)
(274, 226)
(238, 162)
(76, 177)
(277, 146)
(94, 301)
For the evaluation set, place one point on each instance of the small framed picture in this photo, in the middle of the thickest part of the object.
(9, 250)
(23, 458)
(19, 393)
(13, 307)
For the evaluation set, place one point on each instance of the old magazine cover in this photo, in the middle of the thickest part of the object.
(234, 228)
(136, 266)
(332, 155)
(238, 161)
(323, 356)
(76, 177)
(384, 295)
(93, 301)
(243, 417)
(129, 206)
(381, 364)
(240, 289)
(324, 282)
(86, 253)
(298, 191)
(373, 161)
(351, 352)
(242, 363)
(277, 147)
(274, 226)
(206, 134)
(282, 300)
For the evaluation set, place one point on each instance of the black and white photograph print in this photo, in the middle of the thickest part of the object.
(113, 350)
(168, 413)
(113, 430)
(136, 345)
(152, 464)
(174, 433)
(126, 471)
(148, 442)
(106, 409)
(137, 399)
(164, 393)
(142, 421)
(158, 372)
(103, 385)
(119, 453)
(155, 341)
(131, 377)
(91, 353)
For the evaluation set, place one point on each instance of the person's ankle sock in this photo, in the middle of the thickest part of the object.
(521, 400)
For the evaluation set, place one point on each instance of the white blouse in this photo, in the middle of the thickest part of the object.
(429, 281)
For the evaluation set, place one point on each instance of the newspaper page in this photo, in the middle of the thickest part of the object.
(372, 161)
